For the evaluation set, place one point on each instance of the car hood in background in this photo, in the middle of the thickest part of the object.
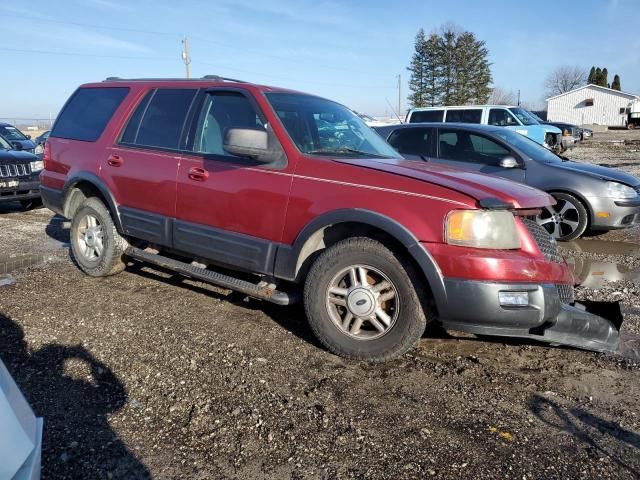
(12, 156)
(598, 171)
(475, 185)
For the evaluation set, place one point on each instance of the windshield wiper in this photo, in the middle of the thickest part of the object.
(330, 151)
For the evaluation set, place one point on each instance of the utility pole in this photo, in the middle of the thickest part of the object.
(399, 80)
(185, 55)
(518, 97)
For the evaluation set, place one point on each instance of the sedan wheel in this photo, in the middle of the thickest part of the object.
(566, 220)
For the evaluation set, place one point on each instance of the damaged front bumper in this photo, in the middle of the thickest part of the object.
(544, 314)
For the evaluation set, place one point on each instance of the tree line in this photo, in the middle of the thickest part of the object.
(449, 67)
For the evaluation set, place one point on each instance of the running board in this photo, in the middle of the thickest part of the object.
(261, 290)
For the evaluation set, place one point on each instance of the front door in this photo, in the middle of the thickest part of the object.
(230, 210)
(476, 152)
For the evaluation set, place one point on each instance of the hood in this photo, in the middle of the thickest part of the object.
(475, 185)
(12, 156)
(598, 171)
(551, 129)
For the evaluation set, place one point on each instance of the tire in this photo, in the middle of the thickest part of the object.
(630, 126)
(97, 246)
(565, 221)
(327, 312)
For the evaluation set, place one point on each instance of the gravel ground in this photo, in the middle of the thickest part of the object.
(146, 374)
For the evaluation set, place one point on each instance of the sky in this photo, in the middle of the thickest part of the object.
(346, 50)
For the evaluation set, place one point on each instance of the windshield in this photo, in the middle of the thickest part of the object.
(11, 133)
(536, 117)
(322, 127)
(524, 116)
(532, 149)
(4, 145)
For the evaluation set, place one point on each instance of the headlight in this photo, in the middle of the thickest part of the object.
(482, 229)
(618, 190)
(37, 165)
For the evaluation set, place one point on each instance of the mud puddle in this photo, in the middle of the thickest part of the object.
(594, 273)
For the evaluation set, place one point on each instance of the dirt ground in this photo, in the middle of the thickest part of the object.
(146, 374)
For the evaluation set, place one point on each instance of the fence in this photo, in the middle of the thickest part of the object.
(27, 125)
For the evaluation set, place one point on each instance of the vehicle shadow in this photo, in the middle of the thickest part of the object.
(581, 424)
(78, 440)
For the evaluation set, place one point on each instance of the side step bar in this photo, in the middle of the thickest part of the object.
(261, 290)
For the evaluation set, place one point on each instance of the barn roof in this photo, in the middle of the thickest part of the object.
(591, 85)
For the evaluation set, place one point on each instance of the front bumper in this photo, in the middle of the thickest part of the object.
(473, 306)
(26, 189)
(619, 213)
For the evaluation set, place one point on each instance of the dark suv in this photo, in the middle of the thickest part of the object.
(296, 194)
(19, 172)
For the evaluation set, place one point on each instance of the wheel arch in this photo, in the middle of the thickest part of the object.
(83, 185)
(293, 262)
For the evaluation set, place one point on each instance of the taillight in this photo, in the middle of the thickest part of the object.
(46, 155)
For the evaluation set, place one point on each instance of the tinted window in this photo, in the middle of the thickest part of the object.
(412, 141)
(501, 117)
(131, 131)
(87, 113)
(464, 116)
(164, 117)
(427, 116)
(222, 111)
(468, 147)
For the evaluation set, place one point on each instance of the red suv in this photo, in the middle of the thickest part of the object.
(300, 198)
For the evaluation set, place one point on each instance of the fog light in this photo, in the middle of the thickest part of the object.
(602, 214)
(513, 299)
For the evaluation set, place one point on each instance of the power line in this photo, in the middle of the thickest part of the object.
(202, 39)
(127, 57)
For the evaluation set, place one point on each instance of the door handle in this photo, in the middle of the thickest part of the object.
(198, 174)
(115, 160)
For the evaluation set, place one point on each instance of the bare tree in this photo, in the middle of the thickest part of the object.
(502, 96)
(565, 78)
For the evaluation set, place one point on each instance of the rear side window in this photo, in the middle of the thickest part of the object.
(464, 116)
(159, 119)
(87, 113)
(427, 116)
(412, 141)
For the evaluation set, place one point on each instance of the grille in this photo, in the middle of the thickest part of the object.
(15, 170)
(544, 241)
(565, 292)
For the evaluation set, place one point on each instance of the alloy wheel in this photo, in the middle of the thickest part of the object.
(362, 302)
(90, 238)
(561, 219)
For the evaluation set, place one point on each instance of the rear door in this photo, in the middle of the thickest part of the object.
(473, 151)
(413, 143)
(141, 168)
(230, 210)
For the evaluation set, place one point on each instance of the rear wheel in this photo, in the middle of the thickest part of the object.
(361, 303)
(97, 246)
(566, 220)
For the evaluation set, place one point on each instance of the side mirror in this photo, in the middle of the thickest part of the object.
(247, 142)
(509, 162)
(16, 145)
(28, 137)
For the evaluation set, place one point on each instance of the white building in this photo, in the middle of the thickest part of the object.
(588, 105)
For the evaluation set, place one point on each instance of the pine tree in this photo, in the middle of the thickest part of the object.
(433, 70)
(616, 83)
(598, 76)
(592, 76)
(604, 81)
(417, 68)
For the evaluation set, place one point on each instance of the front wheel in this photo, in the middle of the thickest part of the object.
(97, 246)
(361, 302)
(566, 220)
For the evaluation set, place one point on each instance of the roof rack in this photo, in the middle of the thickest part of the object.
(215, 78)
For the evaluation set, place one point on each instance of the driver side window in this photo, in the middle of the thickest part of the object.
(501, 117)
(222, 111)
